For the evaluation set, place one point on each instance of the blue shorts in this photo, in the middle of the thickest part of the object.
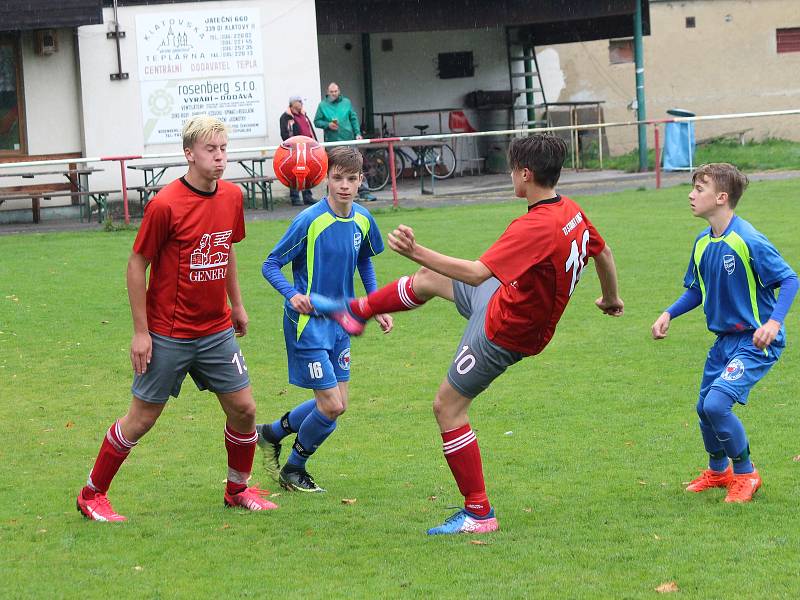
(214, 362)
(734, 365)
(316, 368)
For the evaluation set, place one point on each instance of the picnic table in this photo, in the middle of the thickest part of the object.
(253, 183)
(78, 177)
(76, 188)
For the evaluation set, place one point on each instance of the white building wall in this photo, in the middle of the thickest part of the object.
(727, 63)
(52, 109)
(112, 113)
(343, 66)
(406, 78)
(52, 97)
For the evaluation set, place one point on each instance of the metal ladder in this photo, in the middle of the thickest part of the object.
(525, 80)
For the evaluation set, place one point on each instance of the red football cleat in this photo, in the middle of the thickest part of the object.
(743, 486)
(251, 498)
(350, 323)
(98, 508)
(711, 479)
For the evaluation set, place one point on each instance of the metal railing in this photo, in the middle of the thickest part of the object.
(656, 123)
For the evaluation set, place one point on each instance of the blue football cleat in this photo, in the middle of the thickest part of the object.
(465, 522)
(338, 310)
(327, 306)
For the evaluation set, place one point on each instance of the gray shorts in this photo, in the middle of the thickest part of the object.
(214, 362)
(478, 360)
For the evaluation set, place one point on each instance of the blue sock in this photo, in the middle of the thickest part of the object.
(742, 463)
(291, 421)
(718, 407)
(315, 429)
(717, 459)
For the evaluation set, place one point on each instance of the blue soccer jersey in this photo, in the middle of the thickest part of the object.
(324, 250)
(737, 274)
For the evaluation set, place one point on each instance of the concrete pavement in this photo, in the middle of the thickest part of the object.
(468, 189)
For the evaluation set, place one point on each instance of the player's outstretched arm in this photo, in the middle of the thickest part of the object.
(691, 299)
(238, 314)
(301, 303)
(471, 272)
(141, 344)
(610, 302)
(767, 333)
(271, 270)
(661, 326)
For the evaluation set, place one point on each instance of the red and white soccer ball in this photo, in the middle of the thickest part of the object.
(300, 163)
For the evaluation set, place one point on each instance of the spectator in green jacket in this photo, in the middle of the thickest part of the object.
(339, 122)
(336, 117)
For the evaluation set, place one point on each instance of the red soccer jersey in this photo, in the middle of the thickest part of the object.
(186, 235)
(538, 261)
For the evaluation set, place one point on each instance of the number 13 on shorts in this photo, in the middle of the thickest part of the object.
(238, 360)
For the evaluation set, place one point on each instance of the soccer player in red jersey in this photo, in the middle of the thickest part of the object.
(513, 297)
(182, 321)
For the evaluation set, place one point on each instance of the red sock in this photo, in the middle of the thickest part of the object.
(464, 458)
(241, 449)
(113, 452)
(393, 297)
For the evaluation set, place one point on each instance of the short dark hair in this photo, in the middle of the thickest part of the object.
(726, 178)
(543, 154)
(346, 159)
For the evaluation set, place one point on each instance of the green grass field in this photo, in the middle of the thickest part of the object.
(585, 447)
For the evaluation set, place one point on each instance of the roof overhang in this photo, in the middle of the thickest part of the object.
(46, 14)
(548, 21)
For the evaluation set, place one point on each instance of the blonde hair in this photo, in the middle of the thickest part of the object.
(201, 127)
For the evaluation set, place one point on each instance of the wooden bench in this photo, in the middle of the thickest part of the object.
(728, 135)
(146, 192)
(251, 185)
(84, 200)
(34, 193)
(35, 202)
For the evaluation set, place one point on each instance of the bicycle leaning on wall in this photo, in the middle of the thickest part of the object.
(432, 158)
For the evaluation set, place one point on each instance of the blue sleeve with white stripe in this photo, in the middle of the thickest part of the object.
(367, 271)
(271, 270)
(767, 261)
(690, 280)
(289, 247)
(293, 241)
(691, 299)
(784, 303)
(375, 245)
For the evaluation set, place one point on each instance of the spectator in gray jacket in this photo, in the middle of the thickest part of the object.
(295, 121)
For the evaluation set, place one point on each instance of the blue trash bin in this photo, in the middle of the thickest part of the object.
(679, 143)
